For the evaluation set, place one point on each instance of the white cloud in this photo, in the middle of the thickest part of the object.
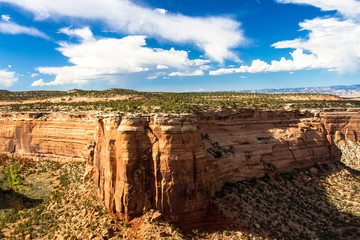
(299, 61)
(5, 18)
(334, 43)
(161, 67)
(39, 83)
(7, 79)
(349, 8)
(160, 10)
(187, 73)
(103, 59)
(156, 75)
(84, 34)
(34, 75)
(216, 36)
(13, 28)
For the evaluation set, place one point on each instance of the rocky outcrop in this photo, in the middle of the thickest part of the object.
(176, 163)
(345, 129)
(56, 136)
(252, 143)
(153, 162)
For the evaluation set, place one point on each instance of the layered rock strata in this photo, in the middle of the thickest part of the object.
(176, 163)
(153, 162)
(56, 136)
(345, 128)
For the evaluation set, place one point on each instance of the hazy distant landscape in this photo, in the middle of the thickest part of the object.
(350, 91)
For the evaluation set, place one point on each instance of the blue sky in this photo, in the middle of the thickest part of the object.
(183, 45)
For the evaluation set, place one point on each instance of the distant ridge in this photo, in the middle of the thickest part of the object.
(339, 90)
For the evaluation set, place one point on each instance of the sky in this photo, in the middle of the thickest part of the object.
(182, 45)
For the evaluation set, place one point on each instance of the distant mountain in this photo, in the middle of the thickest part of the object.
(339, 90)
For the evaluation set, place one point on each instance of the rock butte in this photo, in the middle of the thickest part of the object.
(176, 163)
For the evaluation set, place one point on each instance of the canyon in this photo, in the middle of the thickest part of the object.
(175, 163)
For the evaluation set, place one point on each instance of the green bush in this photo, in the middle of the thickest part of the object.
(12, 176)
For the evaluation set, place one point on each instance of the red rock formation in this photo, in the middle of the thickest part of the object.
(56, 136)
(147, 163)
(176, 163)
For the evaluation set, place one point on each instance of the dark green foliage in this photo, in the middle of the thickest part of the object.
(12, 175)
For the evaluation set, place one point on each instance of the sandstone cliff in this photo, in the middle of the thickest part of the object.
(176, 163)
(152, 162)
(56, 136)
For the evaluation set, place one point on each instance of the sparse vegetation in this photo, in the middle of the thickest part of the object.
(153, 102)
(296, 205)
(52, 202)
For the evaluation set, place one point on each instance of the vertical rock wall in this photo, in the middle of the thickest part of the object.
(345, 131)
(153, 162)
(176, 163)
(56, 136)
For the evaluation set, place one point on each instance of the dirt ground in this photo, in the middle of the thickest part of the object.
(51, 201)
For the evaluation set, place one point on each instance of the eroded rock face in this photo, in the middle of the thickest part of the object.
(56, 136)
(251, 144)
(344, 130)
(147, 163)
(176, 163)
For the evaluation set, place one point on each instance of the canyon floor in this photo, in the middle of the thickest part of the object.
(51, 201)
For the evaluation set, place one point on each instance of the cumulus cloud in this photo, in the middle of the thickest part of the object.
(13, 28)
(349, 8)
(104, 58)
(216, 36)
(299, 61)
(333, 42)
(5, 18)
(7, 79)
